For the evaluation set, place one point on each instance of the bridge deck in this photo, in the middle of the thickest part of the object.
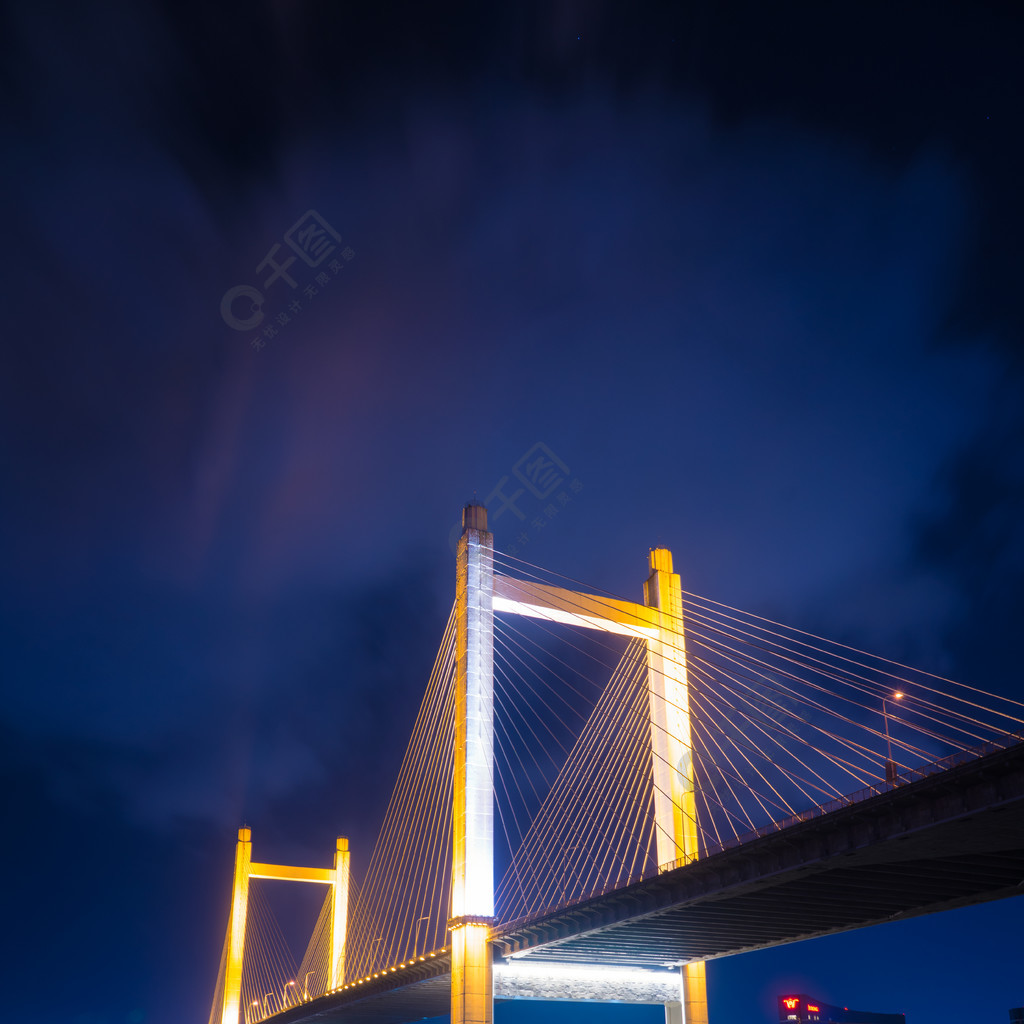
(948, 840)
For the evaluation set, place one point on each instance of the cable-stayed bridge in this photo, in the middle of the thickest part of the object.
(600, 795)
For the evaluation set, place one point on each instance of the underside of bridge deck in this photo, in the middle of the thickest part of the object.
(951, 839)
(948, 840)
(407, 994)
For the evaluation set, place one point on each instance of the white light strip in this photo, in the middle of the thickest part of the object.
(588, 973)
(574, 984)
(534, 611)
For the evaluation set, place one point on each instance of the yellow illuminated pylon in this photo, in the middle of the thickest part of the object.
(236, 928)
(339, 914)
(659, 622)
(246, 869)
(675, 806)
(675, 803)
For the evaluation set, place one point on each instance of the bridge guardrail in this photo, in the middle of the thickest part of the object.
(942, 764)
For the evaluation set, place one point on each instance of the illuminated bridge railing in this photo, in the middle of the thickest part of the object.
(901, 779)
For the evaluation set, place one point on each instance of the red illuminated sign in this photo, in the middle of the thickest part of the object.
(791, 1002)
(813, 1009)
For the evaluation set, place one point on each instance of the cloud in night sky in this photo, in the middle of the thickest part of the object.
(773, 336)
(608, 277)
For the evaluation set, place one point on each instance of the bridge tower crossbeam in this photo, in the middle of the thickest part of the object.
(659, 622)
(246, 869)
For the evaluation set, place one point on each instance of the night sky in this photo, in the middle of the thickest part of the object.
(750, 271)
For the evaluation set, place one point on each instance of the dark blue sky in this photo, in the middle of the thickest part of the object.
(753, 276)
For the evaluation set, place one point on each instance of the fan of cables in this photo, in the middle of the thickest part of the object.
(784, 725)
(807, 724)
(401, 909)
(269, 970)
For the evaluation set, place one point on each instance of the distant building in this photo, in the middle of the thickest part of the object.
(804, 1009)
(1017, 1015)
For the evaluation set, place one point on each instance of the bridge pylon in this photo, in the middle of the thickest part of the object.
(472, 907)
(659, 622)
(236, 929)
(246, 869)
(675, 805)
(675, 802)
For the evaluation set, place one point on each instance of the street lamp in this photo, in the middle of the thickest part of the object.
(890, 764)
(416, 945)
(305, 987)
(284, 994)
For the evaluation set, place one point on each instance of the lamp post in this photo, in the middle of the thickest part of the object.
(890, 764)
(305, 987)
(284, 994)
(416, 945)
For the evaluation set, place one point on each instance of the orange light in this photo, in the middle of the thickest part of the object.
(813, 1009)
(791, 1003)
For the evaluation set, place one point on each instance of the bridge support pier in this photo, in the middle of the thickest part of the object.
(472, 969)
(473, 806)
(692, 1007)
(695, 993)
